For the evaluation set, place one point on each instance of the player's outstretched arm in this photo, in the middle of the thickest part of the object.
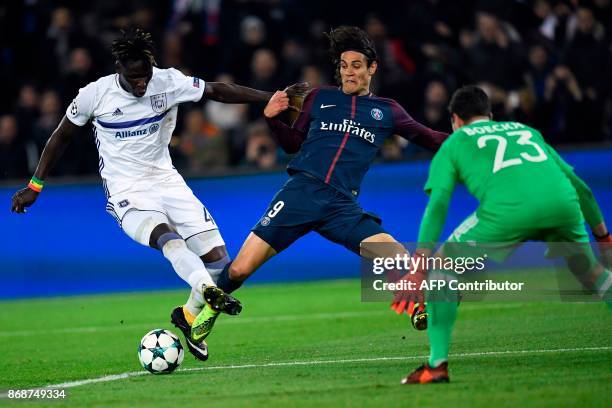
(589, 207)
(57, 143)
(233, 93)
(588, 204)
(429, 233)
(416, 132)
(434, 218)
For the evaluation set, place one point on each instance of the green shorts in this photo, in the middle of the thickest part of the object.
(501, 235)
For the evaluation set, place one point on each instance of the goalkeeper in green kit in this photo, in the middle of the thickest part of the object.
(525, 191)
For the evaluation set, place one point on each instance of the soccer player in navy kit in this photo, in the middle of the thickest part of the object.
(336, 137)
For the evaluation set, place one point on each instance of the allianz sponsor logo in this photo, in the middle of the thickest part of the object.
(124, 134)
(351, 127)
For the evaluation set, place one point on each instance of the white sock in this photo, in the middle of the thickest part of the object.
(186, 264)
(603, 284)
(195, 303)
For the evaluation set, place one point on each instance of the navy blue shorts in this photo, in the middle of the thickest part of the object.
(307, 204)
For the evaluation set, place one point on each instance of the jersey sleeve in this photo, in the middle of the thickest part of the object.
(186, 89)
(442, 171)
(81, 108)
(291, 138)
(415, 132)
(302, 123)
(434, 218)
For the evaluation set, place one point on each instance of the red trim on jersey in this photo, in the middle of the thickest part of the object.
(346, 135)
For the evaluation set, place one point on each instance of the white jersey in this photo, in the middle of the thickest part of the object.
(132, 134)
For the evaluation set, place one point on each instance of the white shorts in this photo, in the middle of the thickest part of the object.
(170, 197)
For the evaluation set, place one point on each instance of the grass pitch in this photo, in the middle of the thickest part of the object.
(307, 344)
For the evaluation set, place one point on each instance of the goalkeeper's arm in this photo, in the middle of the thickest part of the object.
(433, 218)
(588, 204)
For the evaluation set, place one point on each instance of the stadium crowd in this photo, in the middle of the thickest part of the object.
(547, 63)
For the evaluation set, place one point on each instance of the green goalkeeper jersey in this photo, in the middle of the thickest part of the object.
(511, 170)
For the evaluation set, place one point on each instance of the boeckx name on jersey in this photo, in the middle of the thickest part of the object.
(141, 132)
(497, 127)
(349, 126)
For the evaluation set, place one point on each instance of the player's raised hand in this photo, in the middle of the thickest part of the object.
(297, 94)
(277, 104)
(23, 199)
(404, 301)
(605, 249)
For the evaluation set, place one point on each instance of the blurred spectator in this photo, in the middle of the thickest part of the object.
(293, 58)
(587, 57)
(50, 116)
(313, 75)
(263, 70)
(563, 97)
(172, 51)
(261, 148)
(263, 76)
(603, 11)
(395, 68)
(238, 58)
(493, 57)
(396, 147)
(435, 112)
(203, 144)
(556, 18)
(26, 110)
(13, 158)
(537, 71)
(231, 119)
(587, 51)
(62, 36)
(79, 73)
(502, 101)
(555, 75)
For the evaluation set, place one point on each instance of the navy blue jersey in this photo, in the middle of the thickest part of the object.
(337, 136)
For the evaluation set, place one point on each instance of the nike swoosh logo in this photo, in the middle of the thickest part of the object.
(326, 106)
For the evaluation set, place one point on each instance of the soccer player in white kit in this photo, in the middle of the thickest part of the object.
(133, 113)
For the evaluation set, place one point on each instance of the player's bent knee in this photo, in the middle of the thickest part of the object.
(215, 255)
(382, 237)
(380, 245)
(140, 225)
(240, 271)
(204, 243)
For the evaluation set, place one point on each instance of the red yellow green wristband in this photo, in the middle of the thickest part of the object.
(36, 184)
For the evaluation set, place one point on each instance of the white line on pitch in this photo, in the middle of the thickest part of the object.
(240, 320)
(108, 378)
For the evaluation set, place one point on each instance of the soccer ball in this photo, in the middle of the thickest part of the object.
(160, 351)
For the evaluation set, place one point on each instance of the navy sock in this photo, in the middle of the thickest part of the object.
(225, 282)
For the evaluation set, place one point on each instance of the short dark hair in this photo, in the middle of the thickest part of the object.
(469, 101)
(349, 38)
(134, 45)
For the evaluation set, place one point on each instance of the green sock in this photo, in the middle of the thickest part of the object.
(441, 314)
(604, 287)
(441, 318)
